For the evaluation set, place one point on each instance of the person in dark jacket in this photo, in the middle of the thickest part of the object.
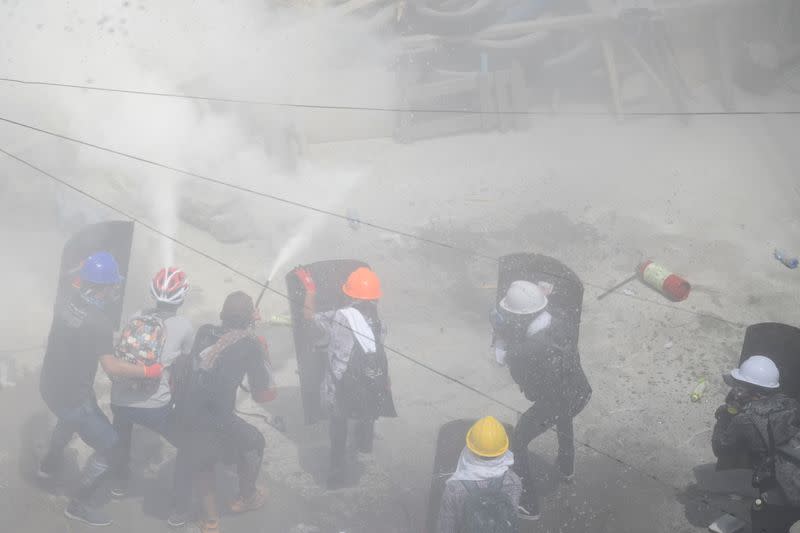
(755, 419)
(544, 361)
(356, 382)
(211, 431)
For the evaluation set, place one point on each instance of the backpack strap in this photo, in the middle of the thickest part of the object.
(470, 486)
(495, 483)
(771, 446)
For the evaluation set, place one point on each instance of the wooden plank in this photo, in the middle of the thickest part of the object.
(613, 75)
(724, 63)
(486, 101)
(502, 95)
(519, 95)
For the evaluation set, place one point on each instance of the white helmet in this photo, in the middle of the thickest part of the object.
(758, 370)
(524, 298)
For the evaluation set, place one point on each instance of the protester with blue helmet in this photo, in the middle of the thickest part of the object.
(80, 335)
(99, 279)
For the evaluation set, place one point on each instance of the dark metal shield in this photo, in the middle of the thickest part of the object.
(781, 343)
(115, 237)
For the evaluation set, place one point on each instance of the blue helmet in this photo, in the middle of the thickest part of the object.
(101, 269)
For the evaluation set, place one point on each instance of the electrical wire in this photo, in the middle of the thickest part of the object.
(379, 109)
(241, 188)
(367, 223)
(447, 377)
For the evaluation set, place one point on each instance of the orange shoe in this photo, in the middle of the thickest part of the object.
(256, 501)
(209, 526)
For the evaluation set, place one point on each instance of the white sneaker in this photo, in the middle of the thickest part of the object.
(525, 514)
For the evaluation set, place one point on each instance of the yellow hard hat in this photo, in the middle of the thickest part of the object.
(487, 438)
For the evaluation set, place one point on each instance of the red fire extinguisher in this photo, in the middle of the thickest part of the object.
(667, 283)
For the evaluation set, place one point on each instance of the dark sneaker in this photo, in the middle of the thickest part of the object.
(177, 519)
(528, 513)
(86, 514)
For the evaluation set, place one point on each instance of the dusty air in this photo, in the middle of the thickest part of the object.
(400, 266)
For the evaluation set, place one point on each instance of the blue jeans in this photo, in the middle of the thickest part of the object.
(89, 422)
(93, 427)
(160, 420)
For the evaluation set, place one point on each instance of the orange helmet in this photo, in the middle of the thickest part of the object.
(363, 284)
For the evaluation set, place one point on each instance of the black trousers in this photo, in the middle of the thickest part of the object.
(160, 420)
(533, 422)
(238, 443)
(364, 434)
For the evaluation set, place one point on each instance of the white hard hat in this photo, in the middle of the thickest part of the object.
(523, 298)
(758, 370)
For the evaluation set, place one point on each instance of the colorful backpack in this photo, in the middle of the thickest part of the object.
(142, 339)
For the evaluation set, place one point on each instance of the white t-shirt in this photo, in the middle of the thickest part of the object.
(152, 393)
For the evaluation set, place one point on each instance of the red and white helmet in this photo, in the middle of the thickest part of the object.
(169, 286)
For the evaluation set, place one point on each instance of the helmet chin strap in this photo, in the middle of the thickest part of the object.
(100, 296)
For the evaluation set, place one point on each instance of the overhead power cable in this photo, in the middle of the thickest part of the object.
(379, 109)
(413, 360)
(367, 223)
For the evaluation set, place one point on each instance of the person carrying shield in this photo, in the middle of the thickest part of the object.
(81, 334)
(760, 421)
(356, 382)
(533, 340)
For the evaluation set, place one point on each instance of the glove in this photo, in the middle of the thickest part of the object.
(724, 413)
(305, 278)
(153, 371)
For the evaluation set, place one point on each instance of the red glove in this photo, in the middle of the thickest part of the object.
(305, 278)
(153, 371)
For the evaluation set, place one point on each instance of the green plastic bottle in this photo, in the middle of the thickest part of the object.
(699, 390)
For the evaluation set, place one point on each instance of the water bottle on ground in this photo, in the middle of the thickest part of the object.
(699, 390)
(790, 262)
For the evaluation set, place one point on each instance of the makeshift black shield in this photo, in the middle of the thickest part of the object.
(115, 237)
(451, 440)
(566, 299)
(329, 277)
(781, 343)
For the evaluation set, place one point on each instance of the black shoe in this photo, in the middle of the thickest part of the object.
(88, 515)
